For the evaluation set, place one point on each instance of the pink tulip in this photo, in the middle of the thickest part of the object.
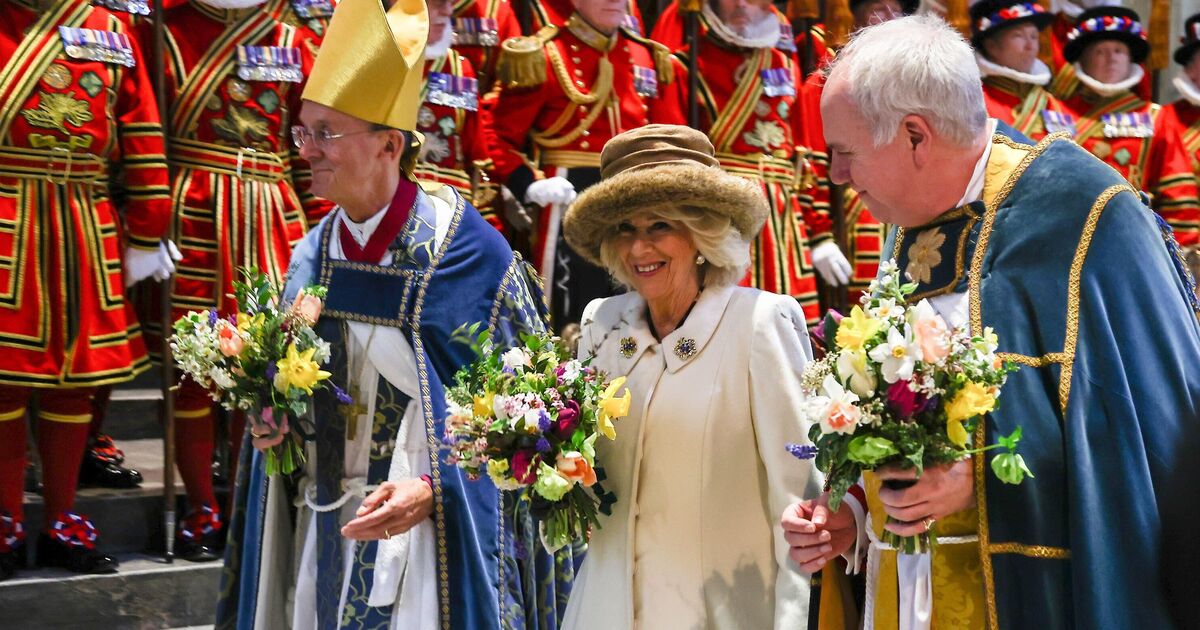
(229, 341)
(308, 307)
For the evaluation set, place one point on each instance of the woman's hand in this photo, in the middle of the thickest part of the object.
(816, 533)
(393, 508)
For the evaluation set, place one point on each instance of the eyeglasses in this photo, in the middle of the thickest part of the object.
(320, 138)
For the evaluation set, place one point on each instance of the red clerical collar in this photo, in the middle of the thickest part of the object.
(389, 228)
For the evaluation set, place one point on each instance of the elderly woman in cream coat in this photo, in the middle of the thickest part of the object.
(699, 467)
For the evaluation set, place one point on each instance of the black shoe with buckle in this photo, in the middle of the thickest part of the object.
(201, 536)
(102, 446)
(71, 544)
(97, 471)
(12, 560)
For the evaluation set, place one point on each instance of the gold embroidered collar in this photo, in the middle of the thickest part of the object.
(589, 35)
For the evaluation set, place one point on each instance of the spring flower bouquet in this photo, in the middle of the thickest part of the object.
(265, 362)
(528, 418)
(899, 387)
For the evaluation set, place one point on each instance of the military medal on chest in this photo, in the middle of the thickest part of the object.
(451, 91)
(1128, 125)
(787, 39)
(1058, 121)
(93, 45)
(269, 63)
(778, 82)
(469, 31)
(645, 82)
(310, 9)
(133, 7)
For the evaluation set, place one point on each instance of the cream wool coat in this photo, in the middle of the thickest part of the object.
(699, 467)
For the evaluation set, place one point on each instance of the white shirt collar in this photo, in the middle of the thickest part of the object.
(362, 231)
(1039, 74)
(975, 186)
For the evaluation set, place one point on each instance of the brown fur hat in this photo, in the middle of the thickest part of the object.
(657, 165)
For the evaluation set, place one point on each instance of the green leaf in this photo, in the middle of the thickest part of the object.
(1010, 442)
(1010, 468)
(869, 450)
(831, 328)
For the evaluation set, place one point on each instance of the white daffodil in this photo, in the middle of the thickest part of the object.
(841, 415)
(852, 368)
(897, 355)
(886, 309)
(516, 358)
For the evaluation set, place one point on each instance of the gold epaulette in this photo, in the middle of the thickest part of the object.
(662, 55)
(521, 62)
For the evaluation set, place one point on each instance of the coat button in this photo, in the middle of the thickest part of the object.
(584, 144)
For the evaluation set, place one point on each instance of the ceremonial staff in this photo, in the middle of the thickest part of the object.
(168, 369)
(801, 14)
(691, 26)
(1158, 35)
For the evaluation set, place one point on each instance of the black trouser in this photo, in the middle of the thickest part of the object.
(576, 282)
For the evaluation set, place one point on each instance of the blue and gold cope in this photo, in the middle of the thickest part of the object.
(492, 570)
(1087, 292)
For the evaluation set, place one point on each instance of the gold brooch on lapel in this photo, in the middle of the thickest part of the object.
(685, 348)
(628, 347)
(923, 255)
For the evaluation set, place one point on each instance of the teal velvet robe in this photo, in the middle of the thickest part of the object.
(1088, 293)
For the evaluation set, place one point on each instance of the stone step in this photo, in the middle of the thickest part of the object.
(146, 593)
(130, 521)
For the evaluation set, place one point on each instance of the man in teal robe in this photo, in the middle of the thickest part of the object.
(1086, 290)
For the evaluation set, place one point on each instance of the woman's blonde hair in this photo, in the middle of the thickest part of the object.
(726, 253)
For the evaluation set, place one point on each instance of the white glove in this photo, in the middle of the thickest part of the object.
(548, 191)
(145, 263)
(831, 263)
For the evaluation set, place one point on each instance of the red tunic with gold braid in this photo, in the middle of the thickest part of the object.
(748, 96)
(1184, 118)
(479, 28)
(1132, 136)
(240, 191)
(1021, 105)
(864, 233)
(77, 138)
(565, 92)
(455, 149)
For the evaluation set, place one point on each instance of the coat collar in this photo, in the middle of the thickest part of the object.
(684, 344)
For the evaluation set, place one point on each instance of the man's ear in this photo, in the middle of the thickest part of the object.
(395, 143)
(919, 136)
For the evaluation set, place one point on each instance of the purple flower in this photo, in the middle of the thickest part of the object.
(508, 370)
(802, 451)
(212, 318)
(902, 400)
(568, 419)
(543, 445)
(271, 370)
(342, 396)
(543, 421)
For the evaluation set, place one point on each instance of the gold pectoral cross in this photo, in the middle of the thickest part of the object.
(351, 412)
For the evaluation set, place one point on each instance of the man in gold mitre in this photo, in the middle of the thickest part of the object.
(389, 535)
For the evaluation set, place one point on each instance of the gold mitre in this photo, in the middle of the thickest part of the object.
(371, 61)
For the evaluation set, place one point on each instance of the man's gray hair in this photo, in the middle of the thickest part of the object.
(913, 65)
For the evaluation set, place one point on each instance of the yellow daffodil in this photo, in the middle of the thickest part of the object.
(970, 401)
(299, 370)
(612, 407)
(854, 331)
(244, 321)
(957, 433)
(483, 405)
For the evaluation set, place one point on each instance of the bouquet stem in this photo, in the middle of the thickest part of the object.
(921, 543)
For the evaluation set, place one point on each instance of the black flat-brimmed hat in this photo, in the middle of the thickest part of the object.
(1101, 23)
(1189, 41)
(989, 17)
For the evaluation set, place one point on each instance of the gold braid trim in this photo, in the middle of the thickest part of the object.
(662, 56)
(521, 63)
(599, 99)
(1031, 551)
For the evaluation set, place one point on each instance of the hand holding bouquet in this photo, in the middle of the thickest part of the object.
(899, 387)
(529, 418)
(265, 362)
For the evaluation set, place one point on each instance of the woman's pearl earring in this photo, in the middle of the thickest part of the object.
(700, 259)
